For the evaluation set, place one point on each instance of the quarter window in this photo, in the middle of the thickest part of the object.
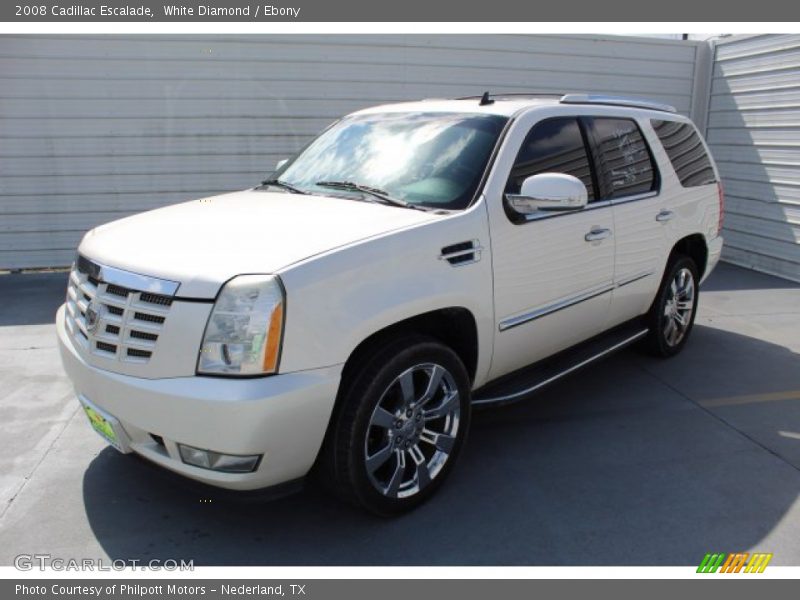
(552, 146)
(686, 152)
(623, 161)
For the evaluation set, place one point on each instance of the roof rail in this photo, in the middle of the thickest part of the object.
(500, 95)
(615, 101)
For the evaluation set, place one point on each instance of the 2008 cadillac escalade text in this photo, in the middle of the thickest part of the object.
(255, 11)
(79, 10)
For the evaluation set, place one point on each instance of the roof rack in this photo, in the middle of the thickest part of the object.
(513, 95)
(488, 98)
(616, 101)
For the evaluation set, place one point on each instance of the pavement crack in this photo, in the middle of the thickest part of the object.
(35, 468)
(721, 419)
(29, 348)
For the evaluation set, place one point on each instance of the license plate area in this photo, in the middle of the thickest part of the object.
(106, 426)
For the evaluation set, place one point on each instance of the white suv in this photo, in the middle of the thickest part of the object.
(412, 261)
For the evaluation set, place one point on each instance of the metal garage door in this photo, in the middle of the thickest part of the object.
(95, 128)
(754, 131)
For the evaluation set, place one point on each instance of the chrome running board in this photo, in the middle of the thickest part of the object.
(518, 385)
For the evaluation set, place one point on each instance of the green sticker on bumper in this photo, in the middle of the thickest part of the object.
(100, 425)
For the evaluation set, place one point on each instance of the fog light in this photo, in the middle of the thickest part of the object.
(227, 463)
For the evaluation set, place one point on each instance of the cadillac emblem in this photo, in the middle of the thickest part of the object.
(92, 317)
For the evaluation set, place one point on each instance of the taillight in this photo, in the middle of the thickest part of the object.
(721, 206)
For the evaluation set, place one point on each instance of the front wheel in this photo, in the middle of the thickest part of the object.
(671, 317)
(403, 422)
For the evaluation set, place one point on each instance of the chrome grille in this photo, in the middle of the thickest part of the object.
(124, 324)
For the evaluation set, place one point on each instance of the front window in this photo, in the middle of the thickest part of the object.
(434, 160)
(553, 146)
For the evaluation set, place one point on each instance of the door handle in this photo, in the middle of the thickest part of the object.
(597, 234)
(664, 216)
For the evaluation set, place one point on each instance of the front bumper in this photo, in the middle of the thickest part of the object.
(283, 417)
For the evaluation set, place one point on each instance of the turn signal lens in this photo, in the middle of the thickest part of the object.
(273, 340)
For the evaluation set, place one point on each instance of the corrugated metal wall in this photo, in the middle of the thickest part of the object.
(95, 128)
(754, 132)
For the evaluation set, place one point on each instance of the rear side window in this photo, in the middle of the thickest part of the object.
(686, 152)
(552, 146)
(623, 161)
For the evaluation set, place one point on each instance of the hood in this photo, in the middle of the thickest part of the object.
(203, 243)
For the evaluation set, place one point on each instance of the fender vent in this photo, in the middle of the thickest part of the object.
(462, 253)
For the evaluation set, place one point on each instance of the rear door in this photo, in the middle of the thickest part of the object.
(628, 177)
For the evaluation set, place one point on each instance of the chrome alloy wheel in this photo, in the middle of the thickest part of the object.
(412, 430)
(678, 307)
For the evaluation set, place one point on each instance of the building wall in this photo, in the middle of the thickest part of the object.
(93, 128)
(754, 132)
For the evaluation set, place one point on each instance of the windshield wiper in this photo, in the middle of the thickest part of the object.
(284, 185)
(378, 193)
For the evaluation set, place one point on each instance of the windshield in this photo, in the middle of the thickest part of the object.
(428, 159)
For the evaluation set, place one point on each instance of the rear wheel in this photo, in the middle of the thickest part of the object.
(403, 422)
(672, 315)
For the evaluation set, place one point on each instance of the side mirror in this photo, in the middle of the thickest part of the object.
(549, 192)
(281, 163)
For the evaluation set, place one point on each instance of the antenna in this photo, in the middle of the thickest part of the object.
(485, 100)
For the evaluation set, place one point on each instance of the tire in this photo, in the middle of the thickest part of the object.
(393, 444)
(671, 318)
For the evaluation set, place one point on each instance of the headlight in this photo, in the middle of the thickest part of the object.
(244, 331)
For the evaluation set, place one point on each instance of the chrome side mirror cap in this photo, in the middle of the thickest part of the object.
(549, 192)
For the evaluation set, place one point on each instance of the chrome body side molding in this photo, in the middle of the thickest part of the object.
(555, 307)
(632, 278)
(545, 214)
(506, 324)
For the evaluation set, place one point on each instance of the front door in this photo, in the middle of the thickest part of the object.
(553, 272)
